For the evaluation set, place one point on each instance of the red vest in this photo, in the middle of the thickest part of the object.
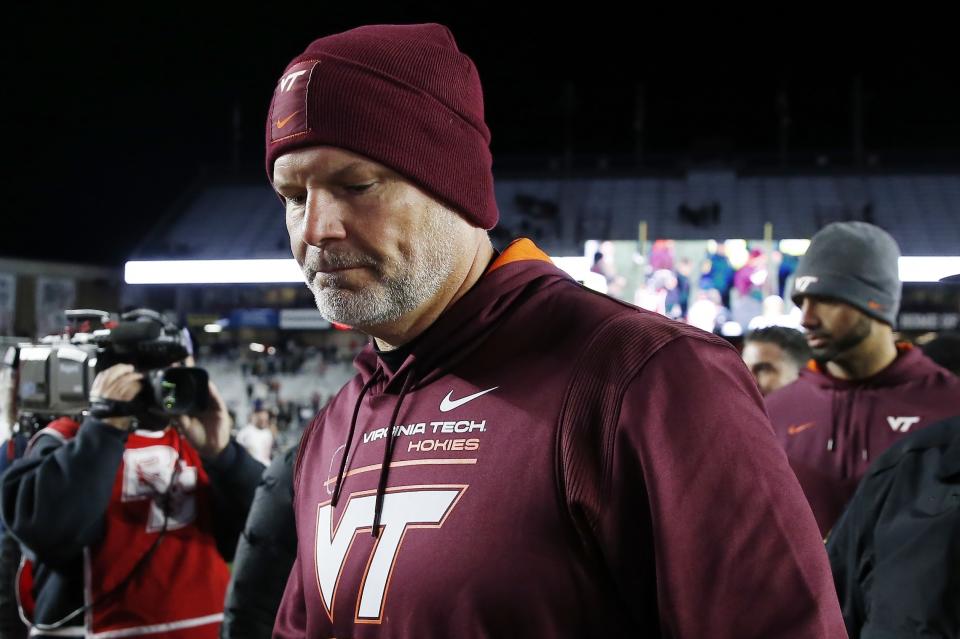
(178, 593)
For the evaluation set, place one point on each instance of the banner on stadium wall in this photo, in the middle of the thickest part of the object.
(54, 295)
(302, 319)
(8, 299)
(928, 321)
(254, 318)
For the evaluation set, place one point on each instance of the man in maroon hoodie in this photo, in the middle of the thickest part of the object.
(863, 391)
(517, 456)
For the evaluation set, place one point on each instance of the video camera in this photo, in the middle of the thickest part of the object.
(55, 375)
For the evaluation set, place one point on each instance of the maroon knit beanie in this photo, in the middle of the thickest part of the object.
(401, 95)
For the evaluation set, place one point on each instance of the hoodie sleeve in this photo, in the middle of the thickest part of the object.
(55, 497)
(695, 472)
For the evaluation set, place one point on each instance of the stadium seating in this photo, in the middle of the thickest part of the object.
(921, 211)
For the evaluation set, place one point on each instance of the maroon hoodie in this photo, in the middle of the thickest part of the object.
(832, 429)
(562, 465)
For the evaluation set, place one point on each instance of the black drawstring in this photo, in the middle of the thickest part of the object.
(353, 427)
(387, 454)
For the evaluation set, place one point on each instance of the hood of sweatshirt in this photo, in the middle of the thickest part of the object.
(462, 327)
(909, 365)
(521, 270)
(832, 429)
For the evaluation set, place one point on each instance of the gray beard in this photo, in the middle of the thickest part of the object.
(417, 281)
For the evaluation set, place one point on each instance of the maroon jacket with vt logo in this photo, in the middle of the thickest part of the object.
(558, 464)
(832, 429)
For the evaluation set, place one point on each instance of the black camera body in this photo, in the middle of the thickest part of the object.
(55, 375)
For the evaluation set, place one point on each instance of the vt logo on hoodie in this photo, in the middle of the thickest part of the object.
(422, 507)
(902, 424)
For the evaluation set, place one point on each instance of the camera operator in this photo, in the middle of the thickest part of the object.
(127, 523)
(11, 626)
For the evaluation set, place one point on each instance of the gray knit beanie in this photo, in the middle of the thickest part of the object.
(856, 263)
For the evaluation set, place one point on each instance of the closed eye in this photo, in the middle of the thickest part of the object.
(360, 188)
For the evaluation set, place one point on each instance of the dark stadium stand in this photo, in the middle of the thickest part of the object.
(227, 220)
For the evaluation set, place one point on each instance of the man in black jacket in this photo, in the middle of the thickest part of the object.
(265, 554)
(895, 553)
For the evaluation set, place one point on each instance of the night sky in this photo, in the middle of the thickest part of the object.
(114, 111)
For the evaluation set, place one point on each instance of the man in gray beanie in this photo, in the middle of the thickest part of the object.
(862, 391)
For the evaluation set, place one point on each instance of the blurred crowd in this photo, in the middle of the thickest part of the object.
(715, 291)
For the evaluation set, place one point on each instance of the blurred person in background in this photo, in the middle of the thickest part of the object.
(748, 284)
(717, 272)
(604, 264)
(127, 521)
(708, 312)
(638, 491)
(257, 437)
(662, 255)
(775, 355)
(659, 294)
(786, 266)
(773, 315)
(684, 271)
(865, 390)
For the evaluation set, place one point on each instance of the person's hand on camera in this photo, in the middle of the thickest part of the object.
(209, 432)
(119, 383)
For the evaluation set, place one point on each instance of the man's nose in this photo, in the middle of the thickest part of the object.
(323, 218)
(808, 314)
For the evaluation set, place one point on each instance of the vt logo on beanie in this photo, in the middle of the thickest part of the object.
(401, 95)
(802, 283)
(288, 113)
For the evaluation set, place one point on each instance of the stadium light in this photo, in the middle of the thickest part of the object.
(913, 268)
(926, 268)
(579, 269)
(279, 271)
(794, 247)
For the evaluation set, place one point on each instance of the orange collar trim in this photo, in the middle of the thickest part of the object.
(902, 347)
(519, 250)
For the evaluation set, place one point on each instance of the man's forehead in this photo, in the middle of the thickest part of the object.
(763, 351)
(824, 299)
(321, 162)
